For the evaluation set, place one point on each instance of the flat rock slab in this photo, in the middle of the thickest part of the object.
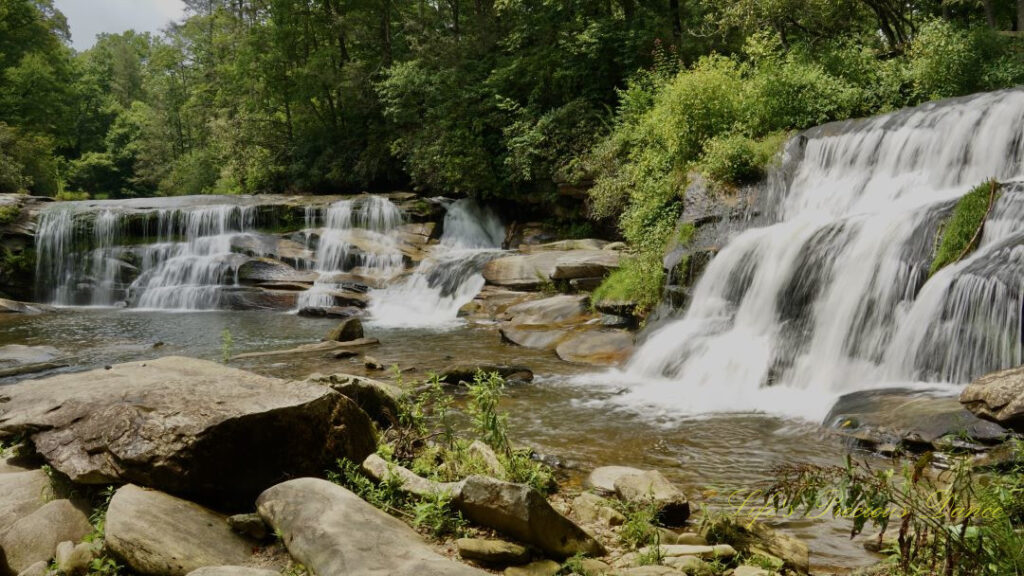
(15, 307)
(232, 571)
(155, 533)
(531, 271)
(332, 531)
(21, 354)
(185, 426)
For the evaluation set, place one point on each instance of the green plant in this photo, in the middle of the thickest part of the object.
(639, 530)
(386, 495)
(226, 345)
(105, 566)
(639, 279)
(962, 230)
(434, 514)
(952, 522)
(9, 213)
(296, 569)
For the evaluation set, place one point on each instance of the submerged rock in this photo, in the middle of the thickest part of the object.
(332, 531)
(141, 422)
(157, 534)
(15, 307)
(466, 371)
(998, 397)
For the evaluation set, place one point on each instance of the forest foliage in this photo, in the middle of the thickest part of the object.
(492, 98)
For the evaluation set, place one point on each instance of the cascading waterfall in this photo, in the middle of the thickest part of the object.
(833, 295)
(356, 236)
(449, 278)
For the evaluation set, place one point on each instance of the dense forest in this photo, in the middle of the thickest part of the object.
(494, 98)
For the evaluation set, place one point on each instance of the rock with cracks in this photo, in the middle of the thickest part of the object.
(334, 532)
(185, 426)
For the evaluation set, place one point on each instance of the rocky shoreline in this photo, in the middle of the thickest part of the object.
(121, 471)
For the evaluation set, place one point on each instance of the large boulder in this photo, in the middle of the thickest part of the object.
(377, 398)
(259, 270)
(35, 537)
(532, 271)
(998, 397)
(21, 494)
(332, 531)
(543, 324)
(155, 533)
(521, 512)
(185, 426)
(466, 372)
(596, 347)
(252, 298)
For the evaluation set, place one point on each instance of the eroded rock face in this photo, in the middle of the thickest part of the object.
(998, 397)
(158, 534)
(332, 531)
(185, 426)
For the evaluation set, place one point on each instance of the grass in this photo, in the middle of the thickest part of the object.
(961, 231)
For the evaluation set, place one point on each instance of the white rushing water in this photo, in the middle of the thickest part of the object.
(356, 236)
(449, 277)
(831, 297)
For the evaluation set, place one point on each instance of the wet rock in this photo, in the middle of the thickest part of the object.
(596, 348)
(232, 571)
(372, 363)
(378, 399)
(538, 338)
(140, 422)
(72, 559)
(466, 371)
(492, 552)
(592, 509)
(252, 298)
(523, 513)
(259, 270)
(330, 311)
(998, 397)
(332, 531)
(633, 485)
(532, 271)
(249, 525)
(615, 307)
(21, 494)
(155, 533)
(346, 331)
(538, 568)
(556, 310)
(585, 284)
(34, 538)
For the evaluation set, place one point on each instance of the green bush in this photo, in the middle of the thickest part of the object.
(960, 230)
(948, 60)
(639, 280)
(9, 213)
(738, 159)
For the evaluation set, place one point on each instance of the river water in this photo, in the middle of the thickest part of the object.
(581, 426)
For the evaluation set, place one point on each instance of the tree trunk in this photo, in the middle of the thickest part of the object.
(990, 13)
(677, 22)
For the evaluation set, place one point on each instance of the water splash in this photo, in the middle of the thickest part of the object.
(449, 278)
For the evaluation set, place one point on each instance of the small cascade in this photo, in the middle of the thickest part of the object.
(833, 295)
(192, 258)
(355, 236)
(450, 277)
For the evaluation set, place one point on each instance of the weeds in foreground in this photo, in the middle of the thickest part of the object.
(958, 522)
(227, 344)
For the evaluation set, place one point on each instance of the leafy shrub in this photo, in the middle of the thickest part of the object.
(960, 231)
(948, 60)
(739, 159)
(9, 213)
(639, 280)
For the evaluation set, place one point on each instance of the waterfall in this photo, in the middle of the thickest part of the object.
(357, 236)
(85, 257)
(449, 278)
(832, 295)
